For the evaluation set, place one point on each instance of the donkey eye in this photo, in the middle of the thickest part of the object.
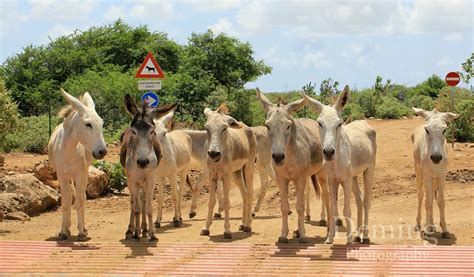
(444, 131)
(428, 132)
(320, 125)
(133, 131)
(223, 130)
(338, 126)
(89, 125)
(268, 128)
(288, 128)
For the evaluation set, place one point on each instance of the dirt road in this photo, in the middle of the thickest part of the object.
(391, 220)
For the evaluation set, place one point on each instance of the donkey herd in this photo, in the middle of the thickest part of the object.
(326, 152)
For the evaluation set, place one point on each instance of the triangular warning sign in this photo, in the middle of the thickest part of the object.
(150, 68)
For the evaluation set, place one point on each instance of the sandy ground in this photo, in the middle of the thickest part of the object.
(392, 214)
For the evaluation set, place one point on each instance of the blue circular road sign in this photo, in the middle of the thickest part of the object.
(151, 98)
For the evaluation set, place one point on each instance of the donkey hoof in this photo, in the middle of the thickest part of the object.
(192, 214)
(253, 214)
(296, 233)
(241, 227)
(177, 223)
(366, 241)
(328, 241)
(303, 240)
(136, 237)
(128, 235)
(445, 235)
(290, 212)
(417, 228)
(81, 237)
(323, 222)
(205, 232)
(283, 240)
(145, 234)
(152, 238)
(357, 239)
(227, 235)
(307, 218)
(247, 229)
(339, 222)
(217, 215)
(425, 235)
(62, 236)
(157, 224)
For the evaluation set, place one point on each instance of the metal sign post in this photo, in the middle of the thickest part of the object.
(452, 79)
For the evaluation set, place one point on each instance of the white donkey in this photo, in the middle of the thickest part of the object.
(72, 147)
(431, 160)
(140, 155)
(296, 156)
(348, 151)
(232, 148)
(176, 147)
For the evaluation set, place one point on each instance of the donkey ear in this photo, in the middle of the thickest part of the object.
(295, 106)
(448, 117)
(421, 112)
(266, 104)
(207, 111)
(313, 103)
(163, 110)
(87, 100)
(167, 119)
(130, 105)
(343, 99)
(76, 104)
(233, 123)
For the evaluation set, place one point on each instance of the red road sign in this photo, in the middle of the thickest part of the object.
(150, 68)
(452, 79)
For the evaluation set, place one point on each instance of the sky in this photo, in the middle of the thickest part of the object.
(303, 41)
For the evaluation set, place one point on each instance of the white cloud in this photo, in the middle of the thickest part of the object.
(57, 31)
(454, 37)
(223, 25)
(213, 5)
(321, 18)
(153, 9)
(443, 62)
(63, 10)
(115, 12)
(315, 59)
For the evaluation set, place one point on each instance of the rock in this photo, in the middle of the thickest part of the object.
(471, 145)
(23, 195)
(457, 149)
(11, 173)
(97, 183)
(46, 174)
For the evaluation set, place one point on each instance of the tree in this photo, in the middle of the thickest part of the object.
(328, 89)
(467, 68)
(229, 61)
(9, 118)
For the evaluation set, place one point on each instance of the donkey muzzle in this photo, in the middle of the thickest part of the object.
(99, 154)
(436, 158)
(329, 153)
(142, 163)
(214, 155)
(278, 158)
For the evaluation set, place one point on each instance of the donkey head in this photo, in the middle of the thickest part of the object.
(435, 127)
(164, 124)
(142, 141)
(87, 125)
(330, 122)
(280, 124)
(217, 125)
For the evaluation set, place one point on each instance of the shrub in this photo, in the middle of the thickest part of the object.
(118, 179)
(464, 106)
(390, 108)
(354, 110)
(32, 135)
(422, 101)
(9, 119)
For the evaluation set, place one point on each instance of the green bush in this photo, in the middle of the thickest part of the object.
(354, 110)
(118, 179)
(390, 108)
(32, 135)
(422, 102)
(464, 106)
(9, 118)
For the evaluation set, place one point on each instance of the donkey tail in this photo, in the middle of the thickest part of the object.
(316, 186)
(190, 184)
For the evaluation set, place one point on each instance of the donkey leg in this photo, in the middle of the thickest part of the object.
(360, 208)
(262, 172)
(161, 192)
(323, 182)
(368, 181)
(307, 199)
(210, 208)
(248, 183)
(347, 184)
(331, 214)
(441, 206)
(300, 199)
(429, 205)
(220, 200)
(144, 228)
(79, 203)
(226, 189)
(186, 178)
(238, 177)
(419, 185)
(136, 214)
(285, 208)
(174, 197)
(131, 224)
(149, 189)
(66, 199)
